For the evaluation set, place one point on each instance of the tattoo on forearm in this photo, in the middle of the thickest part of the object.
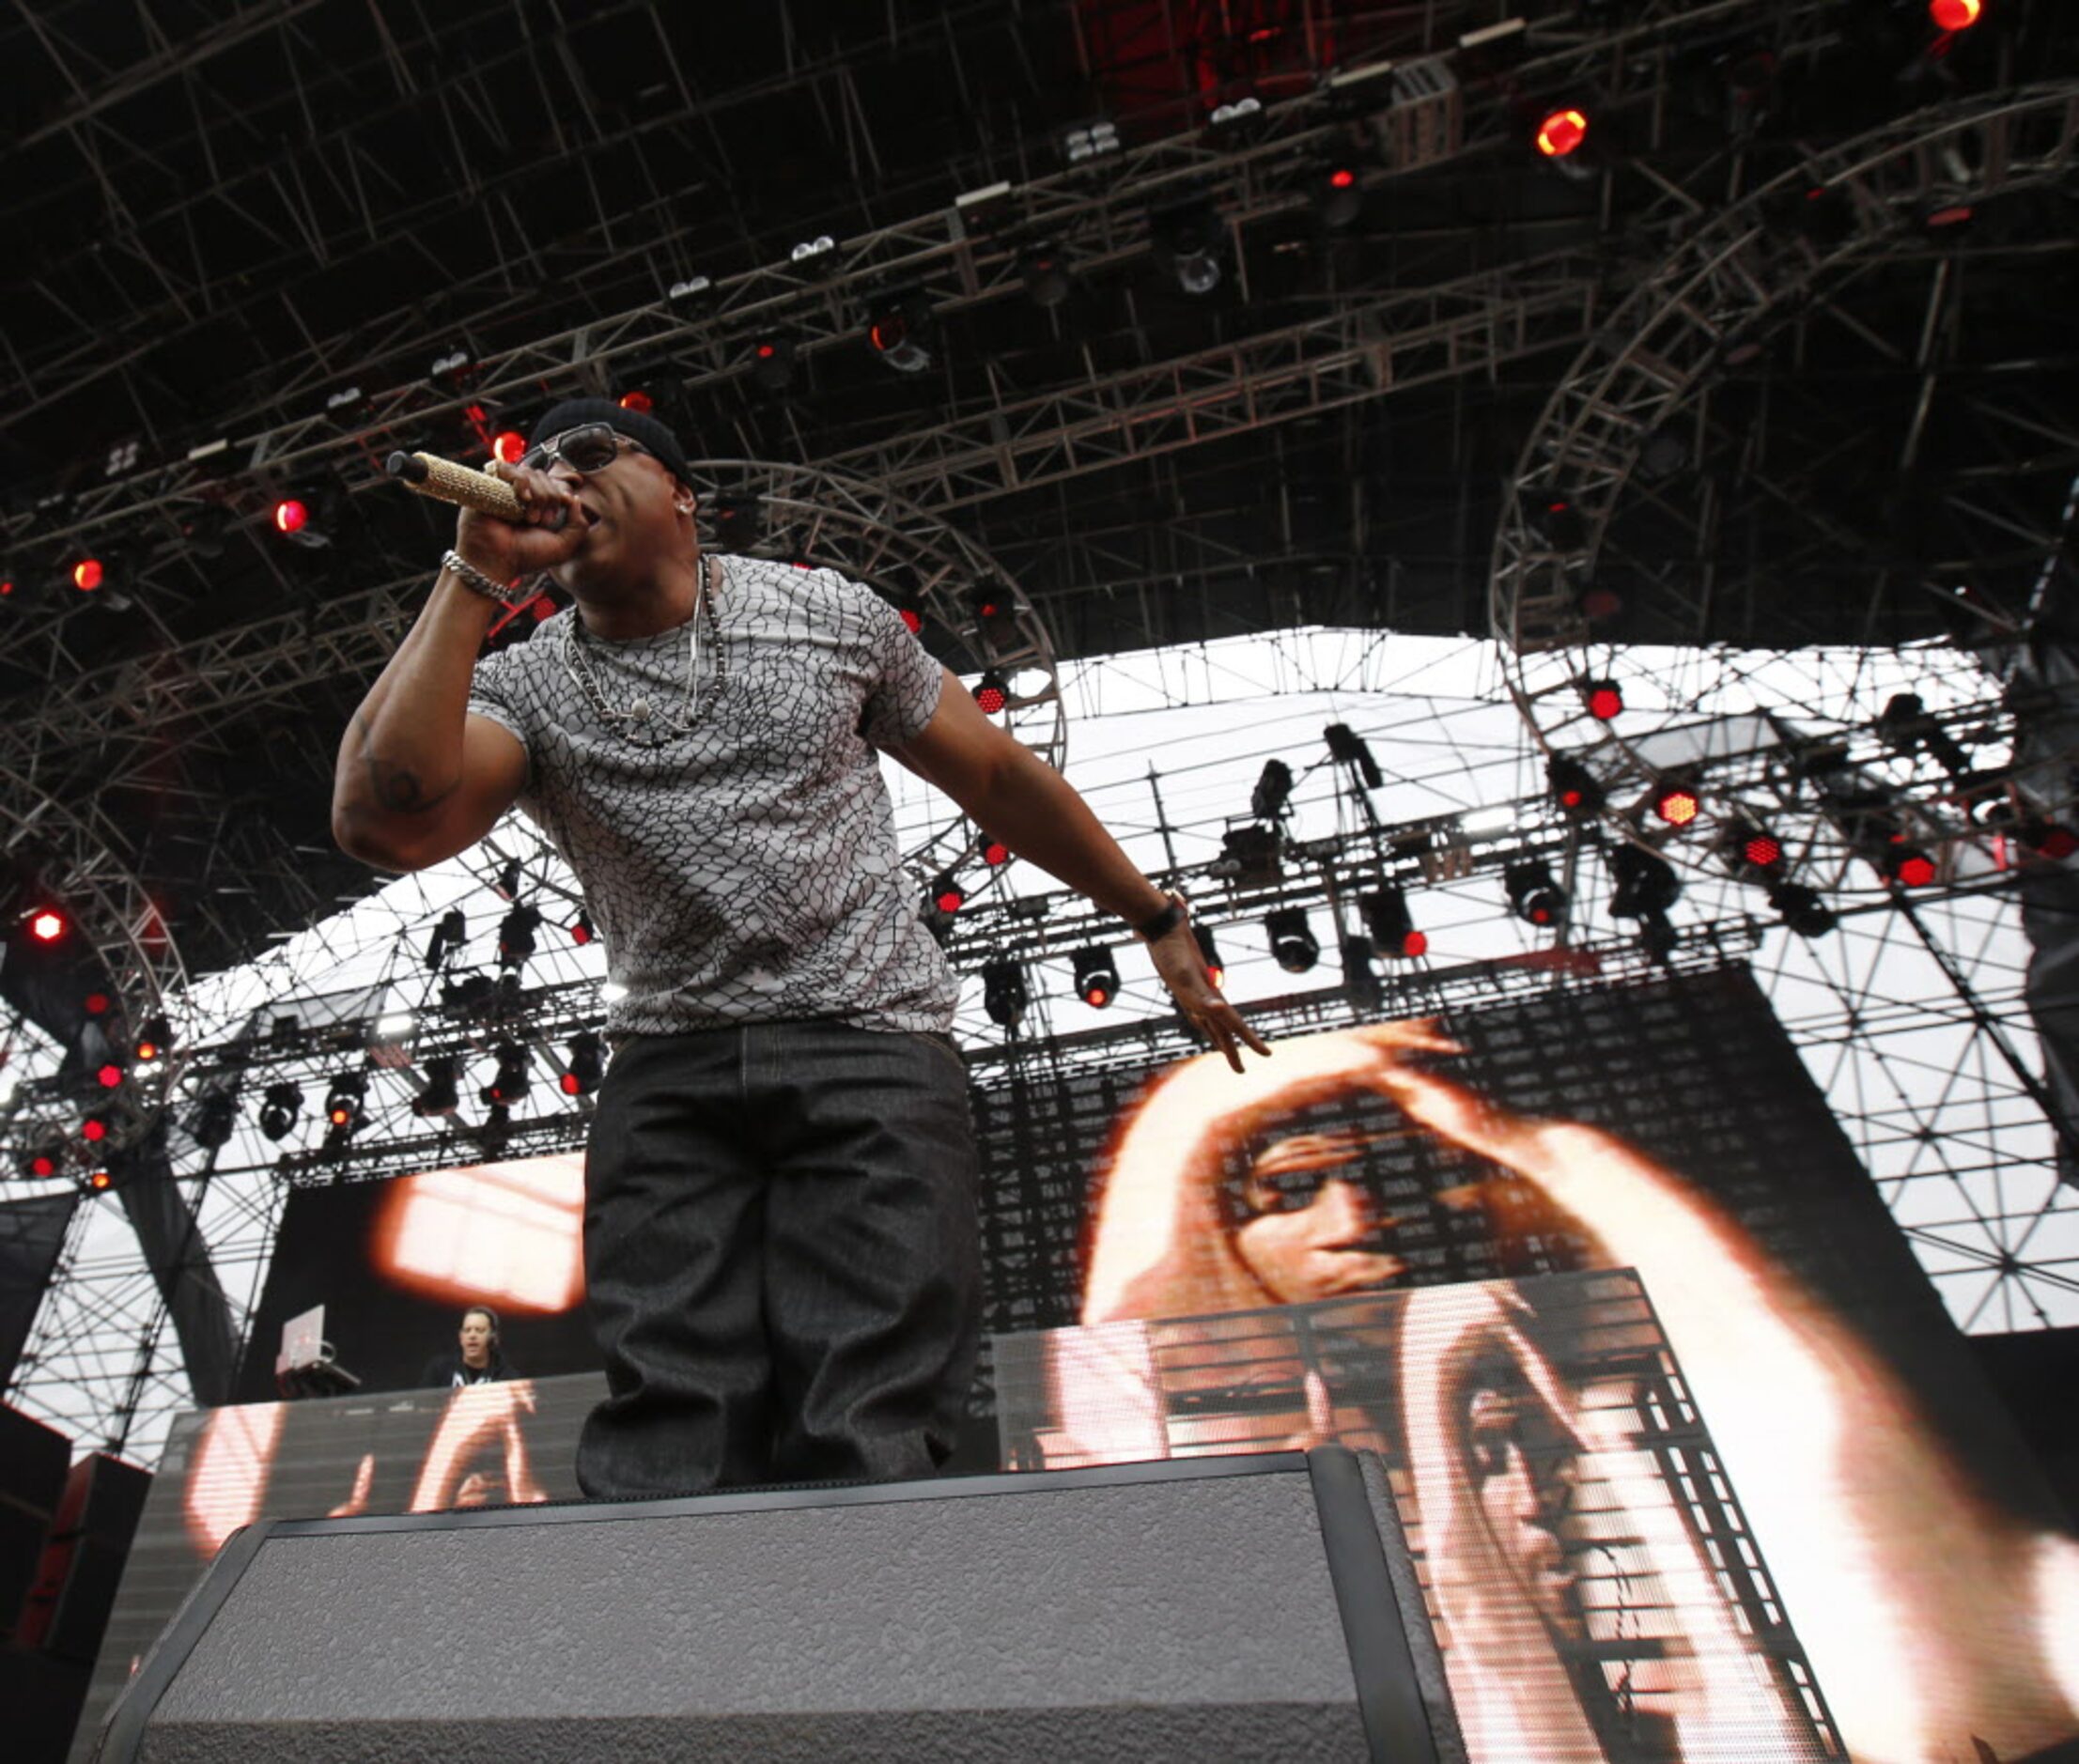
(396, 788)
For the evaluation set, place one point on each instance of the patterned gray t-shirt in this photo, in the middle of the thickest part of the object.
(746, 870)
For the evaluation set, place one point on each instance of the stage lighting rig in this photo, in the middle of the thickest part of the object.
(992, 693)
(1647, 885)
(1573, 787)
(740, 520)
(152, 1041)
(1906, 726)
(1293, 943)
(1603, 698)
(586, 1067)
(995, 610)
(1360, 978)
(1676, 804)
(441, 1094)
(1187, 242)
(516, 936)
(773, 364)
(1096, 976)
(992, 851)
(450, 932)
(1348, 747)
(1269, 800)
(1335, 191)
(947, 895)
(1250, 856)
(1391, 925)
(1801, 910)
(1560, 133)
(279, 1106)
(899, 330)
(1535, 897)
(346, 1102)
(1003, 992)
(509, 1082)
(213, 1118)
(1046, 274)
(47, 924)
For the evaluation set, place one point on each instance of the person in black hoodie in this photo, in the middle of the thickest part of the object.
(478, 1359)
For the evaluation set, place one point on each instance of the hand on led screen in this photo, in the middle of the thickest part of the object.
(364, 1479)
(480, 1418)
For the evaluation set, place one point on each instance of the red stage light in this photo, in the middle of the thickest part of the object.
(94, 1129)
(1915, 870)
(1955, 15)
(110, 1077)
(96, 1002)
(992, 693)
(913, 621)
(290, 516)
(1561, 133)
(638, 401)
(1605, 703)
(949, 897)
(887, 333)
(510, 446)
(44, 1164)
(6, 585)
(994, 853)
(100, 1179)
(339, 1114)
(1677, 805)
(581, 931)
(1342, 178)
(1415, 943)
(47, 925)
(2056, 841)
(1764, 851)
(1096, 994)
(87, 574)
(570, 1084)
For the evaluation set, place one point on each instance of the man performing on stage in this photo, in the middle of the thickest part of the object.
(781, 1238)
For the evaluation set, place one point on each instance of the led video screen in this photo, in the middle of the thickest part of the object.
(1580, 1557)
(394, 1263)
(1669, 1128)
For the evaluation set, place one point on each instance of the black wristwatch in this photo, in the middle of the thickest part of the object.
(1166, 920)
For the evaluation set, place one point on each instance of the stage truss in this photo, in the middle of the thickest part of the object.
(1909, 1013)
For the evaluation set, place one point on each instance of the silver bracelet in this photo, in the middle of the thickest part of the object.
(477, 583)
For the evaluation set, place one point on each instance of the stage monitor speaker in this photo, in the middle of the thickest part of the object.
(1231, 1608)
(83, 1562)
(33, 1460)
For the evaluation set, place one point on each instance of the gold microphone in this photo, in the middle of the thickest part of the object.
(446, 481)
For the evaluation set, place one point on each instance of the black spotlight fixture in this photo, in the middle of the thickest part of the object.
(1801, 910)
(1003, 991)
(441, 1093)
(449, 934)
(1273, 791)
(1096, 976)
(899, 330)
(1293, 943)
(1348, 747)
(587, 1066)
(773, 364)
(740, 520)
(1334, 189)
(1048, 278)
(279, 1106)
(1575, 788)
(509, 1082)
(1360, 978)
(346, 1102)
(1392, 926)
(1188, 242)
(1647, 885)
(516, 936)
(214, 1117)
(1535, 897)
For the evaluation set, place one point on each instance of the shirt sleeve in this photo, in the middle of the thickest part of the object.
(493, 693)
(906, 678)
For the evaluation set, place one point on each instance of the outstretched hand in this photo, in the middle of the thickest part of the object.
(1183, 969)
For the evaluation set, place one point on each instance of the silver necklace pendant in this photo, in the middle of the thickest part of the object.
(641, 710)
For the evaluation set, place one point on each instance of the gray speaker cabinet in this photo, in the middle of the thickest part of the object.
(1214, 1609)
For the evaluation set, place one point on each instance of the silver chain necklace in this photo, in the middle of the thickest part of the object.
(643, 722)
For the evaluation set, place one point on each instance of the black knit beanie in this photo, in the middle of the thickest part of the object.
(633, 423)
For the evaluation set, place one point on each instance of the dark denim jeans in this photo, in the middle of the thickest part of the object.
(782, 1258)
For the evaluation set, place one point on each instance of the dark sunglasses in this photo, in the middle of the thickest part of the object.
(589, 447)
